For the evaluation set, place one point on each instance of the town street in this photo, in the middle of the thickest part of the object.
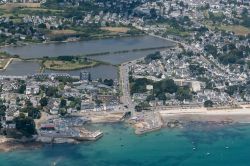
(125, 90)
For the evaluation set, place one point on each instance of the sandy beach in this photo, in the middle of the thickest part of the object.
(243, 109)
(241, 115)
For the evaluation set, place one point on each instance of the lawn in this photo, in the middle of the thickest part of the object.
(237, 29)
(116, 29)
(63, 32)
(3, 55)
(68, 65)
(3, 62)
(10, 6)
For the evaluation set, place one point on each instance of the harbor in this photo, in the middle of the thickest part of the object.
(66, 130)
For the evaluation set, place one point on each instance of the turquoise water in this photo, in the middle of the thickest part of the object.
(192, 146)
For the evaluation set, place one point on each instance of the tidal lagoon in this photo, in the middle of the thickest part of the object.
(82, 48)
(21, 68)
(188, 146)
(86, 47)
(100, 71)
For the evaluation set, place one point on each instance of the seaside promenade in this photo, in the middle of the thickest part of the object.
(241, 110)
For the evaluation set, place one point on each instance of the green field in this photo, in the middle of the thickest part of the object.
(237, 29)
(68, 65)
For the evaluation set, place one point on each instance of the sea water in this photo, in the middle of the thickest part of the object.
(195, 145)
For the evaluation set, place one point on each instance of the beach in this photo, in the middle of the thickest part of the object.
(222, 116)
(241, 110)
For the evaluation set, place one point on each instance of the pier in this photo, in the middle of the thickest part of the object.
(82, 135)
(147, 122)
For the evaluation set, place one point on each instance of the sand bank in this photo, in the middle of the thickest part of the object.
(241, 115)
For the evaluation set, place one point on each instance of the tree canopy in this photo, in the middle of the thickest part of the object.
(25, 125)
(208, 103)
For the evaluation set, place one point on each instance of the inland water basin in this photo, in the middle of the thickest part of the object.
(85, 47)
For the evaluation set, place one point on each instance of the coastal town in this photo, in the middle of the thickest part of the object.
(205, 72)
(57, 106)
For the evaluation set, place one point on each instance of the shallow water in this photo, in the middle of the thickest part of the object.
(120, 147)
(21, 68)
(119, 58)
(86, 47)
(100, 71)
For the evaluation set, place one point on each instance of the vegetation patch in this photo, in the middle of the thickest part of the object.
(10, 6)
(3, 62)
(63, 32)
(116, 29)
(237, 29)
(68, 63)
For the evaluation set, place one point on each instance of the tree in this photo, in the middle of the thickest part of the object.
(63, 103)
(232, 89)
(98, 102)
(21, 89)
(181, 4)
(246, 21)
(153, 56)
(183, 93)
(208, 103)
(165, 86)
(153, 13)
(162, 96)
(2, 110)
(51, 91)
(139, 85)
(244, 13)
(138, 108)
(108, 82)
(42, 26)
(211, 49)
(196, 69)
(28, 103)
(44, 101)
(25, 125)
(62, 112)
(150, 98)
(67, 58)
(32, 112)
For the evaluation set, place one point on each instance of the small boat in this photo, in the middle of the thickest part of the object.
(208, 153)
(53, 164)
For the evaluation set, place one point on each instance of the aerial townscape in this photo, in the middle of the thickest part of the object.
(68, 68)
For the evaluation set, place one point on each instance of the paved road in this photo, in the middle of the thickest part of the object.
(124, 78)
(125, 88)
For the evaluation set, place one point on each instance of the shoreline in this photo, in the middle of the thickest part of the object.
(169, 119)
(224, 116)
(9, 144)
(96, 63)
(71, 41)
(175, 117)
(204, 111)
(7, 64)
